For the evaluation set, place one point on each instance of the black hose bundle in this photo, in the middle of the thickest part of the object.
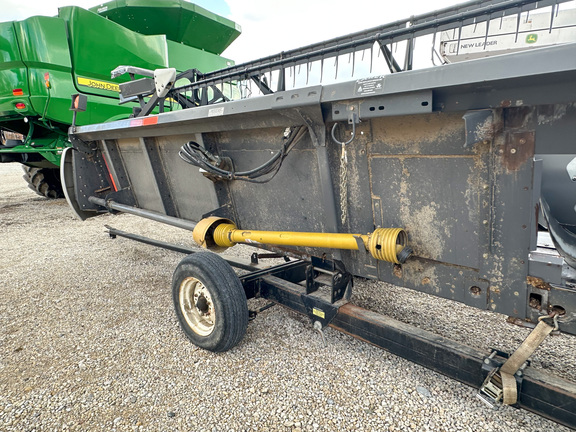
(215, 167)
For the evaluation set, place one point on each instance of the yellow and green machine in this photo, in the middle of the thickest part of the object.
(45, 59)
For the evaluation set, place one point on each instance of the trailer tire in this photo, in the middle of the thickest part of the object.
(44, 181)
(210, 302)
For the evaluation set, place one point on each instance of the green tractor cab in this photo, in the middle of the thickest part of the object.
(47, 59)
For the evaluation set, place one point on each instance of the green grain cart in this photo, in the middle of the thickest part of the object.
(44, 60)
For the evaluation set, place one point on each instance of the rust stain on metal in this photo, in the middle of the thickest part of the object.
(535, 303)
(520, 322)
(398, 271)
(426, 280)
(518, 148)
(538, 283)
(413, 134)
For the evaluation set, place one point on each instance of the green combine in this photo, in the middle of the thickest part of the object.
(44, 60)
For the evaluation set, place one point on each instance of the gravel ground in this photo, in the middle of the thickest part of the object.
(89, 341)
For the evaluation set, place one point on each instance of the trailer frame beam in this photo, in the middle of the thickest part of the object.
(541, 393)
(544, 394)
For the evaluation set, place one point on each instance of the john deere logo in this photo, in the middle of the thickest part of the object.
(531, 38)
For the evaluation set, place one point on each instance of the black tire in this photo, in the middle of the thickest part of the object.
(210, 302)
(44, 181)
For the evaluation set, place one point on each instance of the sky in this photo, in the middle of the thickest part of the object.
(269, 27)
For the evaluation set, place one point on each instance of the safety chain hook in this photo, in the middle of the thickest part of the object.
(351, 137)
(554, 317)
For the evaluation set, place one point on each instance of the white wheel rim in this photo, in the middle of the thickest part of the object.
(197, 306)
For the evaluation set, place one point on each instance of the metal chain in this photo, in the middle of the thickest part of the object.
(344, 185)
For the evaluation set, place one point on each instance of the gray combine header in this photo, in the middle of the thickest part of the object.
(457, 180)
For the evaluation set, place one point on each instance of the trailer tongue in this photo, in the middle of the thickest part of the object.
(462, 173)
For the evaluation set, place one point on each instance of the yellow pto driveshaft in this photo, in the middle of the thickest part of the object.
(386, 244)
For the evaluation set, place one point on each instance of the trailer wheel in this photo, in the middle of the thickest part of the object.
(210, 302)
(44, 181)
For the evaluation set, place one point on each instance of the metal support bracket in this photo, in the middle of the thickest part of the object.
(417, 102)
(319, 310)
(331, 274)
(164, 80)
(491, 392)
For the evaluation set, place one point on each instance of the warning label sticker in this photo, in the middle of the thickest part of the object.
(368, 86)
(318, 312)
(215, 112)
(101, 85)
